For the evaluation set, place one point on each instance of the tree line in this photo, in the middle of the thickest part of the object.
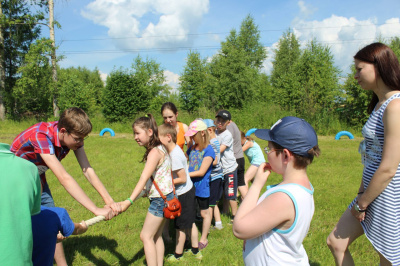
(303, 81)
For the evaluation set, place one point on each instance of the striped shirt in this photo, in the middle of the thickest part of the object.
(41, 138)
(382, 219)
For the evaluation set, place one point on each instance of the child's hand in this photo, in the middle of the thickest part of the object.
(124, 205)
(60, 237)
(107, 212)
(263, 172)
(116, 207)
(83, 228)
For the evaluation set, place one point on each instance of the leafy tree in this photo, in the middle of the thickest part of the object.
(32, 92)
(80, 87)
(237, 67)
(129, 92)
(193, 82)
(318, 82)
(283, 75)
(19, 29)
(395, 46)
(353, 110)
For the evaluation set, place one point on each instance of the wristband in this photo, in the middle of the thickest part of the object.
(360, 193)
(130, 200)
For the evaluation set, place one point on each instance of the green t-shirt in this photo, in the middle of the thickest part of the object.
(20, 194)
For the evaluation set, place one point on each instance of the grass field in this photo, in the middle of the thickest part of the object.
(336, 176)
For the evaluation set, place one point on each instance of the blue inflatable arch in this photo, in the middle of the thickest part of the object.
(344, 133)
(104, 130)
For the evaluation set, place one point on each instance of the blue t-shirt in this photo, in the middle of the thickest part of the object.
(202, 184)
(45, 227)
(216, 172)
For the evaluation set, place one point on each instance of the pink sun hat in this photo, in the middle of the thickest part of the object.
(194, 127)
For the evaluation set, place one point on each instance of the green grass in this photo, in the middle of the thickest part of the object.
(336, 176)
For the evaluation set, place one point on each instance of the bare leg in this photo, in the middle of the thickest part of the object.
(383, 261)
(180, 241)
(160, 248)
(152, 227)
(234, 206)
(345, 232)
(217, 214)
(59, 255)
(194, 236)
(206, 214)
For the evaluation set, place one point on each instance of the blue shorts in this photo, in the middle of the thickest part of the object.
(157, 205)
(47, 198)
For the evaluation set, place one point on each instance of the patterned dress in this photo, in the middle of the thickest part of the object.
(382, 219)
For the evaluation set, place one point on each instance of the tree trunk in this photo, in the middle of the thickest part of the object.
(2, 71)
(56, 110)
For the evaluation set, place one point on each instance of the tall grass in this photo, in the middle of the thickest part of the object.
(336, 176)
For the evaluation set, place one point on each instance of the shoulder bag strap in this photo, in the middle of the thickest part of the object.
(158, 189)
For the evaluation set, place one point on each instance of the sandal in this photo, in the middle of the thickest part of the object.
(202, 245)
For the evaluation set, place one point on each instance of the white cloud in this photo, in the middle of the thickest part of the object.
(345, 36)
(103, 76)
(171, 79)
(306, 10)
(141, 24)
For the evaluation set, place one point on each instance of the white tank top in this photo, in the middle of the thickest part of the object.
(284, 247)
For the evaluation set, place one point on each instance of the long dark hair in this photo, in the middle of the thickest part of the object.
(170, 106)
(148, 122)
(387, 64)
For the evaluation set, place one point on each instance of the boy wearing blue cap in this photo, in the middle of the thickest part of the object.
(275, 225)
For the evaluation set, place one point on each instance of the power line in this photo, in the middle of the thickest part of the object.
(218, 33)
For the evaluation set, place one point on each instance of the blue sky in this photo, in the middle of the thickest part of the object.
(109, 34)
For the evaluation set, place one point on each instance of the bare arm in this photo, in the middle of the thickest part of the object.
(222, 148)
(91, 175)
(72, 187)
(253, 220)
(247, 145)
(390, 155)
(181, 176)
(215, 160)
(155, 156)
(205, 164)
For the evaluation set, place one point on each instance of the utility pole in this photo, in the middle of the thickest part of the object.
(56, 110)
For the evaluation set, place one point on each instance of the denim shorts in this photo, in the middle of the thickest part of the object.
(47, 198)
(157, 205)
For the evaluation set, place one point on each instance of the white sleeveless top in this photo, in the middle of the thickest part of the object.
(284, 247)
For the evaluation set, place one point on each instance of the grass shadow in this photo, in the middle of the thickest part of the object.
(313, 263)
(86, 244)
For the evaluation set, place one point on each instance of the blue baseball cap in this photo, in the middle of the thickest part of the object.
(292, 133)
(209, 123)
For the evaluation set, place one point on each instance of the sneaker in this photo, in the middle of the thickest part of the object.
(198, 255)
(230, 222)
(172, 258)
(218, 227)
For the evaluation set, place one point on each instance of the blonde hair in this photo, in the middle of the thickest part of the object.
(75, 120)
(202, 140)
(166, 129)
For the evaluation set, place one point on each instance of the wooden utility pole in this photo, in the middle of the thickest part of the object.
(56, 110)
(2, 70)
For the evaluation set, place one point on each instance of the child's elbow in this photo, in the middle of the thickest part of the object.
(237, 231)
